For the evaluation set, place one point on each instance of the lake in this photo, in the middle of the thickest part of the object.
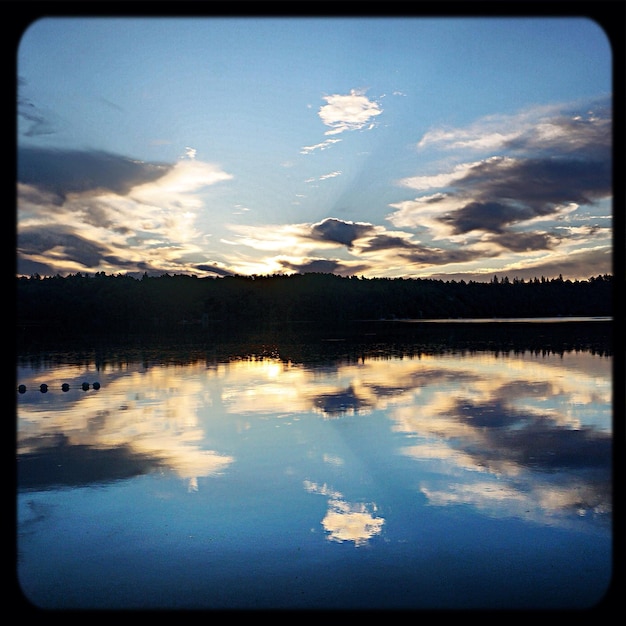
(381, 466)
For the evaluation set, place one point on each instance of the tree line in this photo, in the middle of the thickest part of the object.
(121, 303)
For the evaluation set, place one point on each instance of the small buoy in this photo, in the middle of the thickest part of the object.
(85, 386)
(43, 387)
(65, 387)
(22, 388)
(96, 385)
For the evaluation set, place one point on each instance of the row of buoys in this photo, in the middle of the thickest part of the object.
(64, 387)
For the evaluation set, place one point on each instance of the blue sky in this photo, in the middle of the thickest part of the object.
(415, 147)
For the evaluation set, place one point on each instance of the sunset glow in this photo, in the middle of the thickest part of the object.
(443, 148)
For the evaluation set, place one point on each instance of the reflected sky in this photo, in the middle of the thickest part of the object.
(464, 479)
(520, 435)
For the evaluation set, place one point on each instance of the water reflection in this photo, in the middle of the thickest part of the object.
(530, 438)
(282, 458)
(518, 435)
(140, 420)
(347, 521)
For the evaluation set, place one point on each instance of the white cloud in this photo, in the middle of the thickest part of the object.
(319, 146)
(543, 126)
(177, 186)
(351, 112)
(274, 237)
(473, 138)
(425, 213)
(330, 175)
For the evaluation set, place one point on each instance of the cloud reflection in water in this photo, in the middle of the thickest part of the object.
(347, 521)
(512, 435)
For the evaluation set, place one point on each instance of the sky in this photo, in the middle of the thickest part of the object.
(415, 147)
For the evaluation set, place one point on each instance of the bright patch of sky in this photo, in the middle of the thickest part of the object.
(417, 147)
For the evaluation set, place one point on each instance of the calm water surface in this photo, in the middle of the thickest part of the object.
(459, 479)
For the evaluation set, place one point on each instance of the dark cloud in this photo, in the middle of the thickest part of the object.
(488, 216)
(125, 264)
(519, 436)
(338, 231)
(38, 241)
(66, 171)
(561, 160)
(524, 388)
(60, 463)
(542, 183)
(387, 242)
(27, 267)
(197, 260)
(439, 256)
(506, 192)
(213, 269)
(524, 242)
(39, 197)
(418, 253)
(420, 379)
(338, 403)
(324, 266)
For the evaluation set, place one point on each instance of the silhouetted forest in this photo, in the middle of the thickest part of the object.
(174, 303)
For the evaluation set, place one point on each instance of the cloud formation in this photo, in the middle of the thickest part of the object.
(526, 194)
(338, 231)
(559, 162)
(341, 113)
(319, 146)
(349, 112)
(95, 211)
(540, 170)
(347, 521)
(65, 172)
(372, 249)
(565, 128)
